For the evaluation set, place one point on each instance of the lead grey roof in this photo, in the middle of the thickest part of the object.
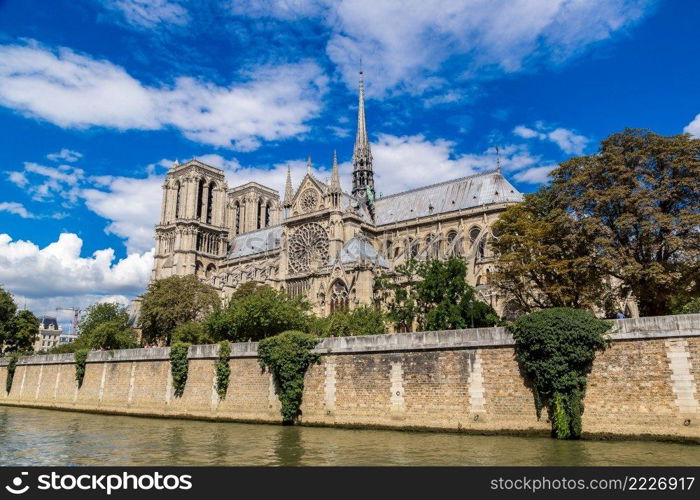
(359, 250)
(48, 322)
(262, 240)
(480, 189)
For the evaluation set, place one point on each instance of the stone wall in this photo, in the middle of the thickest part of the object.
(644, 385)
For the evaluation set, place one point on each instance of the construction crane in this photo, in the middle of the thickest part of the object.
(76, 313)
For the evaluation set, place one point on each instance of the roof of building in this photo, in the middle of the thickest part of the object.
(262, 240)
(467, 192)
(48, 322)
(359, 250)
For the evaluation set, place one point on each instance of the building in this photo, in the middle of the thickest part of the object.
(50, 333)
(318, 240)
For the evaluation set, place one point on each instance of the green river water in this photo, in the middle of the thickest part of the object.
(46, 437)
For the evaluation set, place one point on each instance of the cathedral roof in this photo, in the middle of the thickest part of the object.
(359, 250)
(262, 240)
(459, 194)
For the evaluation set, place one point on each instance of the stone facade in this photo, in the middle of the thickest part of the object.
(644, 384)
(319, 241)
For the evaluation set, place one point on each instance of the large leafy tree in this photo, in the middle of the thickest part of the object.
(363, 320)
(256, 312)
(435, 294)
(629, 214)
(542, 259)
(103, 326)
(18, 329)
(171, 302)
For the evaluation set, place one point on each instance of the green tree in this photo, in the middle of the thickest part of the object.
(259, 312)
(555, 349)
(105, 312)
(103, 326)
(541, 258)
(8, 308)
(111, 335)
(363, 320)
(435, 294)
(23, 331)
(172, 301)
(191, 333)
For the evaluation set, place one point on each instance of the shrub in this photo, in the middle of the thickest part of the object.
(11, 366)
(191, 333)
(288, 356)
(555, 349)
(223, 370)
(80, 362)
(179, 366)
(364, 320)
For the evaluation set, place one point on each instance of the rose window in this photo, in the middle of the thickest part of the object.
(309, 200)
(308, 248)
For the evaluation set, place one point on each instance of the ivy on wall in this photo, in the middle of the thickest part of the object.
(179, 366)
(555, 349)
(11, 366)
(288, 356)
(80, 362)
(223, 370)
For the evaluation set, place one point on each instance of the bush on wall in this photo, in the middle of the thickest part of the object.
(555, 349)
(80, 362)
(288, 356)
(179, 366)
(223, 370)
(11, 366)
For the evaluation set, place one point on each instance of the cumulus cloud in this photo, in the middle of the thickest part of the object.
(132, 205)
(693, 128)
(65, 155)
(45, 183)
(13, 207)
(58, 270)
(478, 36)
(534, 175)
(567, 140)
(150, 13)
(73, 90)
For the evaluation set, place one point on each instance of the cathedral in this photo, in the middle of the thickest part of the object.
(318, 241)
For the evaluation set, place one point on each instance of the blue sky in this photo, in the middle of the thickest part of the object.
(98, 98)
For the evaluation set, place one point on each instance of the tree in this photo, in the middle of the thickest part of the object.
(8, 308)
(111, 335)
(103, 326)
(638, 201)
(622, 222)
(172, 301)
(542, 260)
(363, 320)
(191, 333)
(22, 333)
(259, 312)
(435, 293)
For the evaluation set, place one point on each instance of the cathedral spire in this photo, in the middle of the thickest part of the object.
(308, 165)
(335, 175)
(362, 174)
(288, 192)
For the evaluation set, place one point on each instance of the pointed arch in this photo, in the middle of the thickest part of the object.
(210, 202)
(340, 298)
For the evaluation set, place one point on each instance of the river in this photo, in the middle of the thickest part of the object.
(47, 437)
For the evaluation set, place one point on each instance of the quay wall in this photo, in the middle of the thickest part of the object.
(644, 385)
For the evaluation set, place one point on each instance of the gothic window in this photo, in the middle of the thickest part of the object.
(432, 247)
(177, 200)
(298, 288)
(200, 201)
(454, 243)
(238, 217)
(309, 200)
(387, 247)
(199, 242)
(474, 235)
(340, 299)
(482, 248)
(198, 268)
(267, 214)
(210, 202)
(211, 269)
(259, 213)
(308, 248)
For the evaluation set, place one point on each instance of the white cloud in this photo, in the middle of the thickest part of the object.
(567, 140)
(65, 155)
(132, 206)
(693, 128)
(535, 175)
(16, 208)
(46, 183)
(58, 270)
(402, 41)
(75, 91)
(150, 13)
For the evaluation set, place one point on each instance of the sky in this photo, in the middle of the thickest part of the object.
(99, 98)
